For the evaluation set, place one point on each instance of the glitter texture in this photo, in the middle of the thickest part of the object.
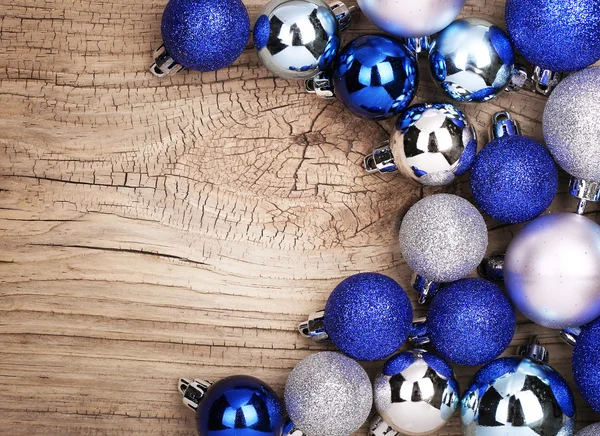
(398, 363)
(368, 316)
(514, 179)
(328, 394)
(571, 124)
(471, 322)
(590, 430)
(205, 35)
(560, 36)
(586, 365)
(443, 238)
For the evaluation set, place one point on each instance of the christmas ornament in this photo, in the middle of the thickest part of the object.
(432, 144)
(368, 316)
(327, 394)
(514, 178)
(203, 35)
(571, 130)
(586, 364)
(551, 270)
(470, 322)
(518, 395)
(590, 430)
(297, 39)
(416, 394)
(443, 238)
(234, 406)
(472, 60)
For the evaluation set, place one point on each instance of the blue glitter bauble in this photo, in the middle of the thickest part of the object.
(368, 316)
(560, 36)
(586, 364)
(471, 321)
(375, 76)
(205, 35)
(239, 406)
(514, 179)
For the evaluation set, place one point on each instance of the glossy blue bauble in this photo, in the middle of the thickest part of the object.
(561, 36)
(514, 179)
(239, 406)
(368, 316)
(586, 364)
(375, 76)
(471, 322)
(205, 35)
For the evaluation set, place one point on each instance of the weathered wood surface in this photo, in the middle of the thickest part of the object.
(152, 229)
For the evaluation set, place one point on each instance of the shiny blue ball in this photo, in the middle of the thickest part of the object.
(561, 36)
(586, 364)
(375, 76)
(368, 316)
(239, 406)
(514, 179)
(205, 35)
(471, 322)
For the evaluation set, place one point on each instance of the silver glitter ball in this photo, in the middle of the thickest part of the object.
(328, 394)
(572, 124)
(433, 143)
(410, 19)
(296, 39)
(443, 238)
(590, 430)
(551, 270)
(417, 393)
(472, 60)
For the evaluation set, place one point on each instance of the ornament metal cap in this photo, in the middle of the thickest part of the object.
(545, 80)
(314, 328)
(419, 45)
(570, 335)
(585, 191)
(492, 268)
(289, 429)
(381, 160)
(320, 85)
(343, 13)
(504, 125)
(534, 350)
(164, 64)
(419, 336)
(424, 287)
(378, 427)
(193, 391)
(519, 80)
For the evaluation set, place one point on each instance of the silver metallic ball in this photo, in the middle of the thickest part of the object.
(590, 430)
(472, 60)
(328, 394)
(417, 393)
(443, 238)
(296, 39)
(411, 19)
(571, 126)
(551, 270)
(517, 396)
(433, 143)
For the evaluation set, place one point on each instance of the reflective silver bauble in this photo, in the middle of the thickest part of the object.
(415, 395)
(328, 394)
(296, 39)
(590, 430)
(472, 60)
(551, 270)
(411, 19)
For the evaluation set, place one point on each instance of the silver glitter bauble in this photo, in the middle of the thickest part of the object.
(411, 19)
(296, 39)
(416, 394)
(551, 270)
(443, 238)
(590, 430)
(328, 394)
(472, 60)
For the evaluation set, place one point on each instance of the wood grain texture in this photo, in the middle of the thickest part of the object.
(153, 229)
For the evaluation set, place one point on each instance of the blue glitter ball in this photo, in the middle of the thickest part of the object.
(514, 179)
(262, 30)
(560, 36)
(239, 406)
(471, 321)
(205, 35)
(368, 316)
(375, 76)
(586, 364)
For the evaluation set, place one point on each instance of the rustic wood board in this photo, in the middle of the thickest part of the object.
(153, 229)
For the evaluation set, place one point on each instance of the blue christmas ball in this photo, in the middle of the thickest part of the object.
(586, 364)
(205, 35)
(368, 316)
(239, 406)
(561, 36)
(375, 76)
(514, 179)
(471, 321)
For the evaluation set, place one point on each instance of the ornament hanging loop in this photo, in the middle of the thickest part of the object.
(504, 125)
(193, 391)
(419, 45)
(545, 80)
(585, 191)
(534, 350)
(314, 328)
(321, 86)
(381, 160)
(164, 64)
(378, 427)
(343, 13)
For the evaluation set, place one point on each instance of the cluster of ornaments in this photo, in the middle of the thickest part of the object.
(550, 271)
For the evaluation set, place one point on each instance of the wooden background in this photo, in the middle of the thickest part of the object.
(153, 229)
